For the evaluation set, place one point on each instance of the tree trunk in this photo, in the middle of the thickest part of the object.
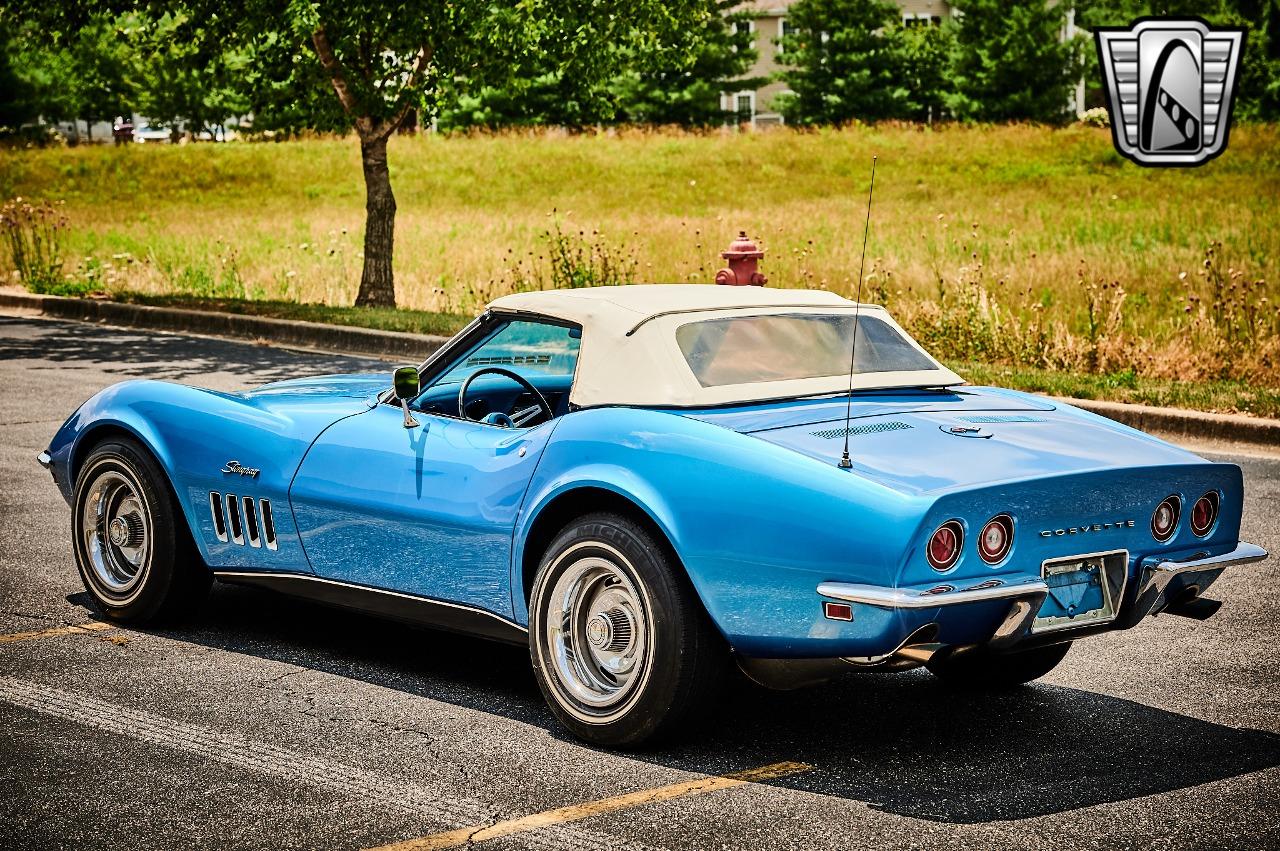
(377, 281)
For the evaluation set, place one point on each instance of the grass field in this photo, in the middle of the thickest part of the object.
(1026, 247)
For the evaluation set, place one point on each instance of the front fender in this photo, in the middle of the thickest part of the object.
(193, 434)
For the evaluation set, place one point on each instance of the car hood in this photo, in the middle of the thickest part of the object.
(315, 402)
(936, 441)
(351, 386)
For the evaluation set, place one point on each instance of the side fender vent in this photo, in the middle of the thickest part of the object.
(233, 519)
(251, 523)
(869, 428)
(219, 519)
(243, 520)
(268, 524)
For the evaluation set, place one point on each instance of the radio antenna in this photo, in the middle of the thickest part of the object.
(845, 462)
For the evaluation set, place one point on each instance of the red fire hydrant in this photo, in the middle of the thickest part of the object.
(744, 257)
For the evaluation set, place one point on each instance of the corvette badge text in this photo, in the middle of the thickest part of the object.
(1088, 527)
(235, 467)
(1169, 86)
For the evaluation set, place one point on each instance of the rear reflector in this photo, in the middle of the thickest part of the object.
(1204, 513)
(943, 549)
(1164, 521)
(838, 611)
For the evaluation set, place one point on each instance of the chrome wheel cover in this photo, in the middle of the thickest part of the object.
(596, 638)
(115, 526)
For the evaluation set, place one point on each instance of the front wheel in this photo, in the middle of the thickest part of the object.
(132, 546)
(621, 647)
(982, 669)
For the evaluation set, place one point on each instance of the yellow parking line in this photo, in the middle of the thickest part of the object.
(55, 631)
(577, 812)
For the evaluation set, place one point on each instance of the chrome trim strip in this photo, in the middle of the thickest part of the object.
(219, 519)
(721, 308)
(907, 598)
(45, 459)
(322, 589)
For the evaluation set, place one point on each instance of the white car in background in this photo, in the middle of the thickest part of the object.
(146, 133)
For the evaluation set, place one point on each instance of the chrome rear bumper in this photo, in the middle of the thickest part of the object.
(1157, 579)
(1025, 598)
(45, 459)
(1159, 583)
(941, 595)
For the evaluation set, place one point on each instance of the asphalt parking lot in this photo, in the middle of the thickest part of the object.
(268, 723)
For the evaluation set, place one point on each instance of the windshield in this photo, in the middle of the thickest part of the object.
(787, 347)
(530, 349)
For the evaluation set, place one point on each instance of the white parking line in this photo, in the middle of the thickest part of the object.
(254, 755)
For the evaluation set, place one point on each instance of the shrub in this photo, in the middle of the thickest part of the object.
(1096, 117)
(33, 234)
(572, 260)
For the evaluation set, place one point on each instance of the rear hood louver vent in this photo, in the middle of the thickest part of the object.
(1002, 418)
(869, 428)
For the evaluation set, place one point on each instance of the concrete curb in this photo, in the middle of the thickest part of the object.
(394, 345)
(390, 345)
(1180, 423)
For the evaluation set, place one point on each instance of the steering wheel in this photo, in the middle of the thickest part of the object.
(520, 418)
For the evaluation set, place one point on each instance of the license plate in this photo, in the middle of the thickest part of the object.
(1079, 594)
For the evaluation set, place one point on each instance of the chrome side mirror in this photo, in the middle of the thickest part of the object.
(406, 384)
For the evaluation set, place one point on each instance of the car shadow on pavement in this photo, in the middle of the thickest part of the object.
(901, 743)
(152, 354)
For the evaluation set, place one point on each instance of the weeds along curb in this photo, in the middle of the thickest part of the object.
(396, 345)
(389, 345)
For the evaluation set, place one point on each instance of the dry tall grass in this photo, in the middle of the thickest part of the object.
(1007, 244)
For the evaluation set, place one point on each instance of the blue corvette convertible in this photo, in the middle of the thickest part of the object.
(645, 485)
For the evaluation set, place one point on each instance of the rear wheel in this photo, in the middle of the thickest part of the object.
(982, 669)
(621, 647)
(132, 546)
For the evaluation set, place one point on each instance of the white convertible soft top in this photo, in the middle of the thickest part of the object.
(630, 355)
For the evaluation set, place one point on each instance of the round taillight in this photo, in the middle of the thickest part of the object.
(996, 539)
(1204, 513)
(944, 545)
(1165, 518)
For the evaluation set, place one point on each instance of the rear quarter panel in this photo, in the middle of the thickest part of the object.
(756, 526)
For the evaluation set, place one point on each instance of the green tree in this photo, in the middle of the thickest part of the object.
(103, 70)
(1011, 62)
(681, 85)
(844, 62)
(90, 74)
(384, 61)
(187, 81)
(539, 94)
(687, 90)
(926, 53)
